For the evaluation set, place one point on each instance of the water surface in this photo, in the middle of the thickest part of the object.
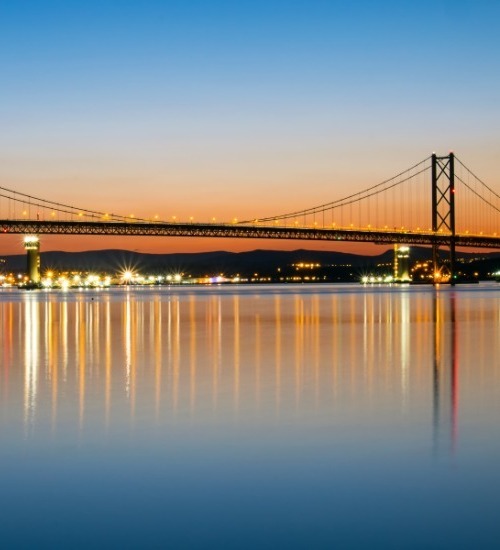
(259, 416)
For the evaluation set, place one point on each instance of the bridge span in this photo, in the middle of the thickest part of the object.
(438, 202)
(248, 231)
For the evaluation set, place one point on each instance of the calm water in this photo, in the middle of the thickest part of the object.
(251, 417)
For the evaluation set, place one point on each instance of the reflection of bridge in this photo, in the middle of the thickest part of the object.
(464, 211)
(396, 348)
(446, 370)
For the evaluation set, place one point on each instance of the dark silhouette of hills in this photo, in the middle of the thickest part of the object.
(334, 265)
(203, 262)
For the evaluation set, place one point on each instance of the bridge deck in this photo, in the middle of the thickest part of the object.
(163, 229)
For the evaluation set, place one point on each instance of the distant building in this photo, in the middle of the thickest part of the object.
(402, 263)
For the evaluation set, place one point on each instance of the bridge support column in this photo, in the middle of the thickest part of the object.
(443, 210)
(401, 263)
(32, 246)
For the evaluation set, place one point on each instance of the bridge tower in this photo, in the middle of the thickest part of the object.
(443, 208)
(32, 247)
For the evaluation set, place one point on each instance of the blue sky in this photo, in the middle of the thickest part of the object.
(167, 100)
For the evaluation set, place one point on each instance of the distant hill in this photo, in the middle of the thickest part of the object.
(338, 265)
(219, 261)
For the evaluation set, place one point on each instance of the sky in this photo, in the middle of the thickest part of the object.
(237, 109)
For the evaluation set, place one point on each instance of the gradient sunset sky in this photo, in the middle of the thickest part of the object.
(237, 108)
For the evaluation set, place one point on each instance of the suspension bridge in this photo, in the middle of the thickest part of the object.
(438, 202)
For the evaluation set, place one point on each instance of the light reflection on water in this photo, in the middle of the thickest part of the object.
(266, 384)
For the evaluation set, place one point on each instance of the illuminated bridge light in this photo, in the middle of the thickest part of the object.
(31, 242)
(31, 239)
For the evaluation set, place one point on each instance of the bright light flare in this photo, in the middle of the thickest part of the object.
(127, 275)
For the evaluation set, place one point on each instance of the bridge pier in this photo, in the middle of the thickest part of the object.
(32, 247)
(401, 263)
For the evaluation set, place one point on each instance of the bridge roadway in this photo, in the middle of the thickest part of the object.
(248, 231)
